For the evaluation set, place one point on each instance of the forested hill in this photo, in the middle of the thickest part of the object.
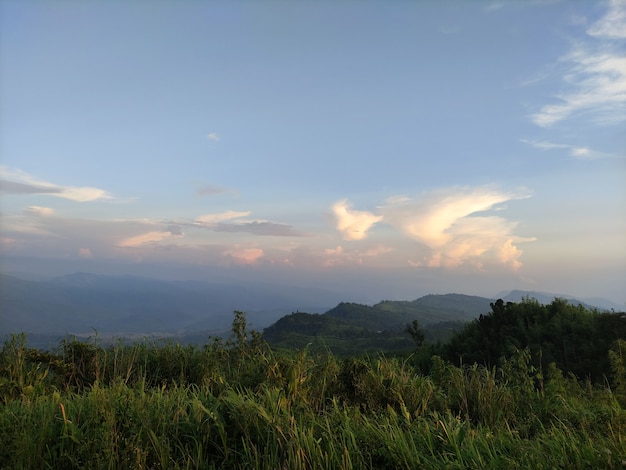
(576, 339)
(352, 327)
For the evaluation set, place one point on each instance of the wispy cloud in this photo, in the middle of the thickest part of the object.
(217, 223)
(581, 153)
(15, 187)
(212, 219)
(352, 224)
(595, 74)
(613, 24)
(340, 256)
(13, 181)
(448, 223)
(39, 211)
(150, 238)
(213, 136)
(260, 228)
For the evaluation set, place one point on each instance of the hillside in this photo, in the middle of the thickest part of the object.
(352, 328)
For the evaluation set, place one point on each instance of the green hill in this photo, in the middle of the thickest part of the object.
(351, 328)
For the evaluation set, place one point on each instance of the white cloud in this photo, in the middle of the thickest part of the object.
(353, 225)
(149, 238)
(213, 136)
(613, 24)
(18, 182)
(596, 75)
(211, 219)
(83, 194)
(545, 145)
(581, 153)
(447, 223)
(39, 211)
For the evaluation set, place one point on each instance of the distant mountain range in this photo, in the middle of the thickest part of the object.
(82, 303)
(546, 298)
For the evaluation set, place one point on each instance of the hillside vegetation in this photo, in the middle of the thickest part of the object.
(241, 404)
(352, 328)
(573, 337)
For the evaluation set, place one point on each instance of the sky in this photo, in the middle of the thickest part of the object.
(390, 149)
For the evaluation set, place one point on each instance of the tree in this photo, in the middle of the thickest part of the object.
(415, 330)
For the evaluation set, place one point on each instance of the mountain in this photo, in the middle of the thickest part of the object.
(354, 328)
(128, 306)
(437, 308)
(80, 303)
(546, 298)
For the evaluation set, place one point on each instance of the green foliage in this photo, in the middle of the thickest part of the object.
(415, 331)
(575, 338)
(239, 404)
(617, 356)
(352, 329)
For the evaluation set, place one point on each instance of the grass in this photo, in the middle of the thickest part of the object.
(239, 404)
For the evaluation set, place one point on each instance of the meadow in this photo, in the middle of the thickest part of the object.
(241, 404)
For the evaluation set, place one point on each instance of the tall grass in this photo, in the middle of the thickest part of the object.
(237, 404)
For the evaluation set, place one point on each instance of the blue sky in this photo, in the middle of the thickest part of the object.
(403, 147)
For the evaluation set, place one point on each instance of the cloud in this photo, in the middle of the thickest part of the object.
(339, 256)
(14, 181)
(353, 225)
(259, 228)
(243, 255)
(448, 223)
(175, 230)
(595, 75)
(212, 219)
(613, 24)
(13, 187)
(215, 222)
(39, 211)
(213, 136)
(150, 238)
(581, 153)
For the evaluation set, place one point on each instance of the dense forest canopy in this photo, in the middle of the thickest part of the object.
(573, 337)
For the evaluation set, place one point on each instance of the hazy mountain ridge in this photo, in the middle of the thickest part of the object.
(80, 303)
(547, 297)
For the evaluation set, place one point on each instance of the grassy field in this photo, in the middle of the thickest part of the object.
(238, 404)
